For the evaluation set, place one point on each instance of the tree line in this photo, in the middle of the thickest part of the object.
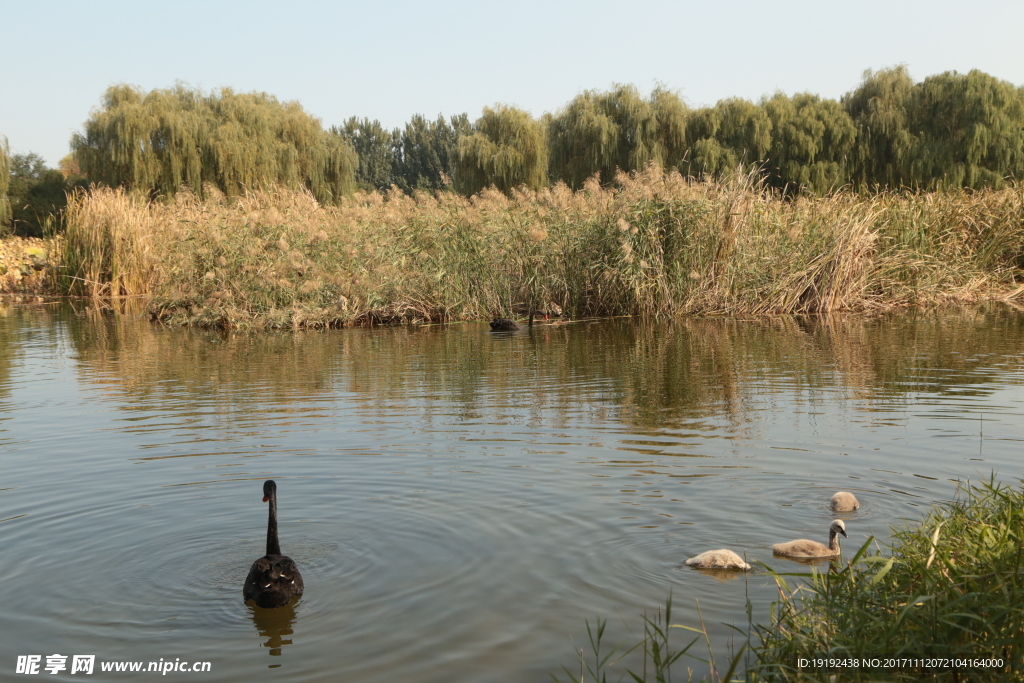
(950, 130)
(32, 196)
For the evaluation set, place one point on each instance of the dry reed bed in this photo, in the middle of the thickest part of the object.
(653, 244)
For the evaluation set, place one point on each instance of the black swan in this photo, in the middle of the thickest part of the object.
(274, 579)
(506, 325)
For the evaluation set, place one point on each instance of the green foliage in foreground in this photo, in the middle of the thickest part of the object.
(656, 652)
(952, 587)
(161, 140)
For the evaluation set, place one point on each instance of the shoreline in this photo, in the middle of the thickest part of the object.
(652, 245)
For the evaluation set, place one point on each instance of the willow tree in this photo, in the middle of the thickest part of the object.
(812, 141)
(425, 152)
(670, 121)
(506, 149)
(720, 138)
(603, 132)
(5, 182)
(885, 145)
(970, 131)
(162, 140)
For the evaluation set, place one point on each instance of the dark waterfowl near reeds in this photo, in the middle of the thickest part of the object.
(504, 325)
(508, 325)
(803, 548)
(274, 579)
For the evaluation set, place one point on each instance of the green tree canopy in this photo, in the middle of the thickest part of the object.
(970, 131)
(603, 132)
(506, 149)
(812, 141)
(426, 152)
(37, 194)
(885, 144)
(375, 147)
(27, 167)
(161, 140)
(732, 132)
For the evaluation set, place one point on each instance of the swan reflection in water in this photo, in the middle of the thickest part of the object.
(275, 627)
(721, 575)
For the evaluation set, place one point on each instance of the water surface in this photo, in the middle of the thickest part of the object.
(460, 502)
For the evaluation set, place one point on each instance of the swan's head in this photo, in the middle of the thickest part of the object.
(270, 489)
(837, 526)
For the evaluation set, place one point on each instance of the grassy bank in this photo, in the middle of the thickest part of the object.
(652, 244)
(949, 588)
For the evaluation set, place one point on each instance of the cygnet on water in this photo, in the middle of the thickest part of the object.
(805, 548)
(844, 501)
(718, 559)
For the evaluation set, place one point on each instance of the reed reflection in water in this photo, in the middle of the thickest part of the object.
(460, 502)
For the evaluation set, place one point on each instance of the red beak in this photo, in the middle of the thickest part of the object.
(266, 498)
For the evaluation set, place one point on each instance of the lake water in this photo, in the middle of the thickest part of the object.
(460, 502)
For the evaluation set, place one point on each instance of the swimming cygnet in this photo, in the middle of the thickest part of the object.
(717, 559)
(844, 501)
(805, 548)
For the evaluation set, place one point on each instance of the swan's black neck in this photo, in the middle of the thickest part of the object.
(273, 547)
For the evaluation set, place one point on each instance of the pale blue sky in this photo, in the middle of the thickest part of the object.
(390, 60)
